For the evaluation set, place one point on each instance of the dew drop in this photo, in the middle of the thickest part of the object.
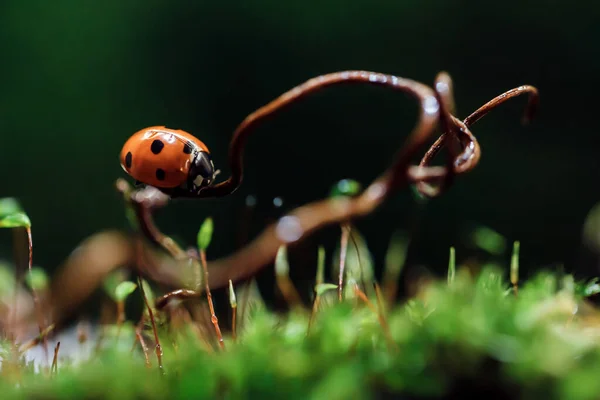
(431, 105)
(250, 201)
(288, 229)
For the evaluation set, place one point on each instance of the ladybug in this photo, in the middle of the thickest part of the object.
(171, 160)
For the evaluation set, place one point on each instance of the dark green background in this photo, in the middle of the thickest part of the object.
(78, 77)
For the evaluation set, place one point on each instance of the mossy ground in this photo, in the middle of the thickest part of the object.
(471, 335)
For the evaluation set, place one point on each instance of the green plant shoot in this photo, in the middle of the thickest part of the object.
(232, 299)
(451, 266)
(205, 234)
(489, 240)
(514, 264)
(123, 290)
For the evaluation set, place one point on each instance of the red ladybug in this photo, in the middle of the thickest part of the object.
(173, 161)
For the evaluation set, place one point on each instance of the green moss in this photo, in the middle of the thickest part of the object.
(454, 337)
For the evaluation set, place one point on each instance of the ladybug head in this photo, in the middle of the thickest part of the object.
(201, 173)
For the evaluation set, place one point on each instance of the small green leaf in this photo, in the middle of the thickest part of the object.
(232, 299)
(489, 240)
(36, 279)
(17, 220)
(124, 289)
(451, 266)
(9, 206)
(514, 263)
(345, 187)
(282, 267)
(205, 233)
(111, 282)
(324, 287)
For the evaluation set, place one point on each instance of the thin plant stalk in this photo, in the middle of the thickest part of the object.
(320, 278)
(213, 315)
(360, 265)
(37, 340)
(343, 251)
(54, 367)
(140, 338)
(233, 303)
(158, 348)
(15, 314)
(382, 321)
(36, 299)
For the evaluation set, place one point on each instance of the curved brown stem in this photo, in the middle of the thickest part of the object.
(428, 104)
(530, 109)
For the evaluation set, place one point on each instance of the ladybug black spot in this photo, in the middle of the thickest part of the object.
(128, 160)
(160, 174)
(187, 148)
(157, 146)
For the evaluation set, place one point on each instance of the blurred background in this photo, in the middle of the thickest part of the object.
(78, 78)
